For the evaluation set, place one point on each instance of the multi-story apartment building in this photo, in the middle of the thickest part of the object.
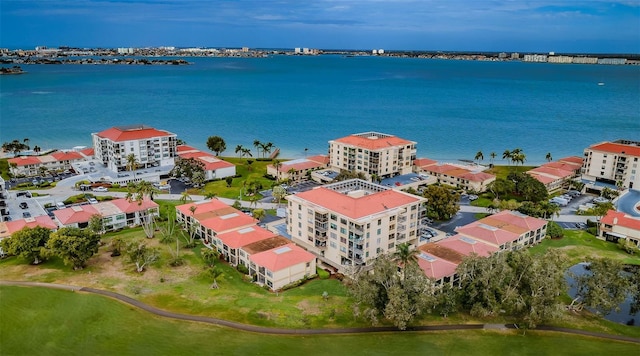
(372, 153)
(557, 175)
(616, 163)
(116, 214)
(467, 178)
(151, 147)
(352, 222)
(57, 161)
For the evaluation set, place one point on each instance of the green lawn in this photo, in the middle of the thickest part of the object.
(255, 174)
(81, 324)
(503, 171)
(578, 244)
(4, 168)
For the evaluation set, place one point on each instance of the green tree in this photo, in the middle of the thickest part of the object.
(602, 287)
(96, 224)
(478, 157)
(189, 168)
(501, 187)
(548, 157)
(215, 273)
(493, 157)
(554, 230)
(132, 162)
(442, 202)
(117, 244)
(346, 175)
(279, 193)
(238, 150)
(139, 191)
(383, 293)
(74, 246)
(185, 197)
(141, 255)
(229, 181)
(507, 155)
(266, 148)
(406, 255)
(216, 144)
(27, 243)
(210, 256)
(257, 144)
(259, 214)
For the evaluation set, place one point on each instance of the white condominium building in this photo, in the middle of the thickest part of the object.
(352, 222)
(614, 162)
(372, 153)
(151, 147)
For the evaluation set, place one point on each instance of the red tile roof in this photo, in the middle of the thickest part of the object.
(266, 244)
(203, 206)
(185, 148)
(617, 148)
(515, 218)
(118, 134)
(572, 159)
(551, 171)
(282, 257)
(11, 227)
(89, 152)
(128, 207)
(246, 236)
(621, 219)
(542, 178)
(25, 160)
(75, 214)
(322, 159)
(67, 156)
(357, 207)
(374, 143)
(211, 162)
(490, 234)
(424, 162)
(466, 246)
(232, 221)
(435, 267)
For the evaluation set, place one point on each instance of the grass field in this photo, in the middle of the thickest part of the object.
(41, 321)
(578, 244)
(249, 173)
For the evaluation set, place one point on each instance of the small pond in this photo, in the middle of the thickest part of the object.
(623, 316)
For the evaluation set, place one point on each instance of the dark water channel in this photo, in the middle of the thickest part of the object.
(623, 316)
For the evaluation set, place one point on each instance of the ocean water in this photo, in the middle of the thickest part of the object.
(453, 109)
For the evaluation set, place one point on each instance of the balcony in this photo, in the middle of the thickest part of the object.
(321, 217)
(322, 236)
(321, 226)
(402, 218)
(357, 228)
(320, 244)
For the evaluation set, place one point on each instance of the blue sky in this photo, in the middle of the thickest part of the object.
(611, 26)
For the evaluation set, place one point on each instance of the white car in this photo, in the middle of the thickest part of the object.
(100, 189)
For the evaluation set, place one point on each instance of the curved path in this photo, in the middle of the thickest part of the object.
(266, 330)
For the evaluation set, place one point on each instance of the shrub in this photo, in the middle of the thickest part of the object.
(554, 230)
(339, 276)
(323, 274)
(591, 223)
(592, 230)
(243, 269)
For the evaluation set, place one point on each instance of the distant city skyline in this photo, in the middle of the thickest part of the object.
(562, 26)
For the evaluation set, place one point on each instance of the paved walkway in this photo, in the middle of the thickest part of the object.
(280, 331)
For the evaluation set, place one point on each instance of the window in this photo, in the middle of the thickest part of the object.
(343, 230)
(333, 226)
(379, 231)
(391, 245)
(333, 244)
(379, 222)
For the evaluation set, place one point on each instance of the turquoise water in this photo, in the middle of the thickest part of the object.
(451, 108)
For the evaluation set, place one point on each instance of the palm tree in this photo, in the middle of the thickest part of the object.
(479, 156)
(305, 152)
(493, 157)
(139, 191)
(239, 149)
(507, 155)
(184, 197)
(266, 148)
(246, 152)
(519, 158)
(26, 142)
(211, 195)
(277, 164)
(406, 255)
(257, 144)
(132, 162)
(258, 214)
(292, 172)
(548, 157)
(36, 149)
(215, 273)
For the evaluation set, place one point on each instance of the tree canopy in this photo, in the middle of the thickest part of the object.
(27, 243)
(442, 202)
(73, 246)
(216, 144)
(383, 292)
(187, 167)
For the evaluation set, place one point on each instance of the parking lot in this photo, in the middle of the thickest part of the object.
(20, 205)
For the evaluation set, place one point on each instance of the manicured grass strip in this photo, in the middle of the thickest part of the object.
(88, 324)
(578, 244)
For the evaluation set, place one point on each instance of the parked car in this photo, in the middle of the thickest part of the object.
(473, 197)
(23, 205)
(92, 201)
(600, 200)
(100, 189)
(26, 214)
